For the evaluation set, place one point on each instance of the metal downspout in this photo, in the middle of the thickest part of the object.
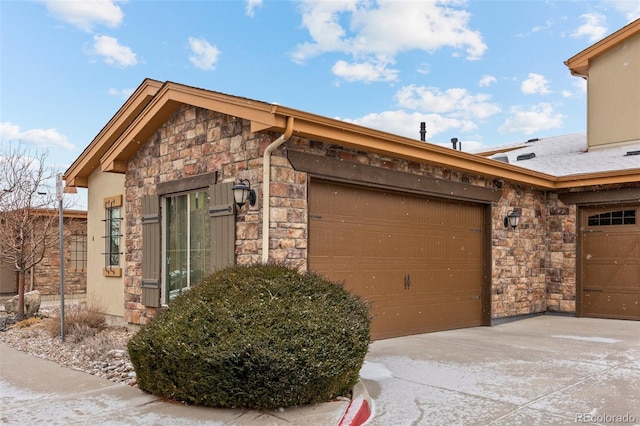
(266, 186)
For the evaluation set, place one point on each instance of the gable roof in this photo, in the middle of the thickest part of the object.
(579, 64)
(153, 102)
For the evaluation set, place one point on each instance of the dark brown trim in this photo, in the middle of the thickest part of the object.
(188, 184)
(612, 196)
(579, 263)
(487, 272)
(342, 171)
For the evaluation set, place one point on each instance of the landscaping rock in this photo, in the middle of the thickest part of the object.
(32, 302)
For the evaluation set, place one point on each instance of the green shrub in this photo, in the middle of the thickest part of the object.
(262, 336)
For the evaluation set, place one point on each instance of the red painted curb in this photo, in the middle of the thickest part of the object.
(357, 413)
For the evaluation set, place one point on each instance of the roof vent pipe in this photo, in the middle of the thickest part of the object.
(423, 131)
(454, 142)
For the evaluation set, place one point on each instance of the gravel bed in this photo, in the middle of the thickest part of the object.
(102, 353)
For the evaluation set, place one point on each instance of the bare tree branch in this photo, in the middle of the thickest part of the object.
(27, 212)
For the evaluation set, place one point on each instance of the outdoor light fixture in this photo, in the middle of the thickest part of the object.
(512, 218)
(242, 193)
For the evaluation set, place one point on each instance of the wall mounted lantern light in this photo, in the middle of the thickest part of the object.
(512, 219)
(242, 193)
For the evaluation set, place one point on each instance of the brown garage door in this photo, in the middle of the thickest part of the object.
(610, 269)
(417, 259)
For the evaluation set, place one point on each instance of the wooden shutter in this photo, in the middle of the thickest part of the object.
(151, 250)
(223, 225)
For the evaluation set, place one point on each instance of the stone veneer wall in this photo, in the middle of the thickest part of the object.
(560, 261)
(518, 268)
(195, 141)
(46, 274)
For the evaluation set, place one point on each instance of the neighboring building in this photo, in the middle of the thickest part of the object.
(417, 229)
(45, 276)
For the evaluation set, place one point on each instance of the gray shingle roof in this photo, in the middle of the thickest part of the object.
(567, 155)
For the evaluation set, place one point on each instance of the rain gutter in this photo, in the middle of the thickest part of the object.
(266, 186)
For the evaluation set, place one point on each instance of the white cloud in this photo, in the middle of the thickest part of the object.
(486, 80)
(457, 102)
(594, 27)
(630, 9)
(204, 56)
(366, 72)
(580, 84)
(407, 124)
(535, 84)
(366, 29)
(113, 52)
(536, 118)
(87, 13)
(252, 5)
(121, 93)
(45, 138)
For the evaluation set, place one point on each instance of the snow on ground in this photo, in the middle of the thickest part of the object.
(587, 339)
(36, 408)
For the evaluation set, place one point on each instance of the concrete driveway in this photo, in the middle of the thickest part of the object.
(546, 370)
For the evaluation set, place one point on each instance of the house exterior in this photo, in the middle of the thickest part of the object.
(417, 229)
(45, 276)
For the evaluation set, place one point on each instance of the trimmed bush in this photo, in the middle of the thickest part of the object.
(262, 337)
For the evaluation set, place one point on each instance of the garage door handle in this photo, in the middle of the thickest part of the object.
(407, 281)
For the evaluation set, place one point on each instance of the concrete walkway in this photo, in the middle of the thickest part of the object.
(35, 391)
(547, 370)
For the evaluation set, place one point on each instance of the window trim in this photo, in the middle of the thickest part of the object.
(109, 203)
(74, 240)
(164, 200)
(617, 217)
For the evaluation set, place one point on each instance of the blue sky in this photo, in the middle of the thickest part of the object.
(486, 72)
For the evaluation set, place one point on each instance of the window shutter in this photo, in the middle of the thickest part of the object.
(223, 225)
(151, 250)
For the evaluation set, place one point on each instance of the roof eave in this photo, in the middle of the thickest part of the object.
(78, 173)
(579, 64)
(615, 177)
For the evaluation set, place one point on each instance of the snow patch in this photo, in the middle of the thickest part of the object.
(375, 371)
(587, 339)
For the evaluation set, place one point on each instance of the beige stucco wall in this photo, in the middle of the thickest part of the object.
(108, 291)
(614, 96)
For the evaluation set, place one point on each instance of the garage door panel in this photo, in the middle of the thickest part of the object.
(607, 276)
(417, 260)
(612, 305)
(610, 269)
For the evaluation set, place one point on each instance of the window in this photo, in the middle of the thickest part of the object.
(78, 252)
(187, 240)
(112, 236)
(620, 217)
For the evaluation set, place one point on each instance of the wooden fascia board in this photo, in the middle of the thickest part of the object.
(597, 179)
(579, 64)
(78, 173)
(498, 151)
(396, 146)
(170, 97)
(69, 214)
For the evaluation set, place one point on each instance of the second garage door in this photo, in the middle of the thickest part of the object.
(418, 260)
(610, 262)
